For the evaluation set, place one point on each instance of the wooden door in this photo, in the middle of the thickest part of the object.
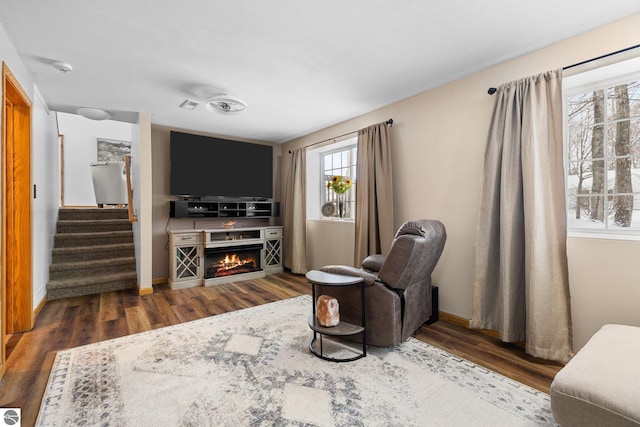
(16, 209)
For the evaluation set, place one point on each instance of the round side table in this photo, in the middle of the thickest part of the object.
(342, 329)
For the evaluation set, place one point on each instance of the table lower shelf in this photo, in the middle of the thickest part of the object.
(328, 343)
(342, 329)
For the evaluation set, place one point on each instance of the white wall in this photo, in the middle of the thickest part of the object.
(9, 55)
(438, 142)
(45, 175)
(331, 242)
(142, 200)
(44, 170)
(80, 149)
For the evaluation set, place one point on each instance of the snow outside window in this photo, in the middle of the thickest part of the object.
(602, 151)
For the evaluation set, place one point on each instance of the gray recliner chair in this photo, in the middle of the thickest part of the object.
(397, 286)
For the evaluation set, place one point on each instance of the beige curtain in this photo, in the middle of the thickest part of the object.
(295, 217)
(520, 284)
(374, 194)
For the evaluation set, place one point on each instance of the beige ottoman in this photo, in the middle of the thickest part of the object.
(600, 386)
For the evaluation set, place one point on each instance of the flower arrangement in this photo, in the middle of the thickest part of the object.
(339, 184)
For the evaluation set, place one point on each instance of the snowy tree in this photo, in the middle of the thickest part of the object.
(597, 152)
(623, 203)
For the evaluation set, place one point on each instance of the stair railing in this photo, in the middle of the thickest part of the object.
(127, 168)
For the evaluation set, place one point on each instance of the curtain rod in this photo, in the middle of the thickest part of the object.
(388, 122)
(493, 90)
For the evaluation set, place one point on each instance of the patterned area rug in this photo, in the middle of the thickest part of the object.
(253, 367)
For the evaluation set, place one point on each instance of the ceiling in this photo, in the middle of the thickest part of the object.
(299, 65)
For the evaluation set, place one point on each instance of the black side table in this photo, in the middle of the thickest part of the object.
(342, 329)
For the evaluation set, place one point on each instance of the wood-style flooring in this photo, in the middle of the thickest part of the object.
(67, 323)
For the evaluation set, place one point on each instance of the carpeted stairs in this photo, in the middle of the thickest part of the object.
(93, 252)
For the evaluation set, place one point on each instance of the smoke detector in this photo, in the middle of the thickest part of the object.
(63, 67)
(225, 103)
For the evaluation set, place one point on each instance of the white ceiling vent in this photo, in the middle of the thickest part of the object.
(225, 103)
(189, 104)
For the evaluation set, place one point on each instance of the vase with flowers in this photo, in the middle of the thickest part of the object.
(340, 185)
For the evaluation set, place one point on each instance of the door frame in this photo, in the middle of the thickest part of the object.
(15, 215)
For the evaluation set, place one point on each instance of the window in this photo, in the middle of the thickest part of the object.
(323, 162)
(339, 163)
(602, 151)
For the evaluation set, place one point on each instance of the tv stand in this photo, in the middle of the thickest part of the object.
(189, 248)
(223, 209)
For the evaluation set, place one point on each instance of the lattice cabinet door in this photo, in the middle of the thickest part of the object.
(273, 250)
(187, 262)
(186, 251)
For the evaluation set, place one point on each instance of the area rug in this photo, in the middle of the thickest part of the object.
(253, 367)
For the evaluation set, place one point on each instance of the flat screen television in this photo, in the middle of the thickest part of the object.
(208, 167)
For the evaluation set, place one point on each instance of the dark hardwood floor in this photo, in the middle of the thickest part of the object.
(67, 323)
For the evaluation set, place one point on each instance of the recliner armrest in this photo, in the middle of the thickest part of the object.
(373, 262)
(345, 270)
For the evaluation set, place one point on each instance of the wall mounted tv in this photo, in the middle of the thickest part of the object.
(208, 167)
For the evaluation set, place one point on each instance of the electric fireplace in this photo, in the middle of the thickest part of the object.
(230, 260)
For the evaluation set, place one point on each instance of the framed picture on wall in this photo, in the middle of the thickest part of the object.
(112, 149)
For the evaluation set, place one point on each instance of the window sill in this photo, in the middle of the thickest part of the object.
(602, 235)
(332, 219)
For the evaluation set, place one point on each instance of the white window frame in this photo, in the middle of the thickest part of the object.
(348, 171)
(582, 82)
(317, 193)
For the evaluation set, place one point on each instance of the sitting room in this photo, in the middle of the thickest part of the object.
(327, 214)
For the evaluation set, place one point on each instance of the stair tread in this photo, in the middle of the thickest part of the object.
(64, 224)
(89, 289)
(93, 233)
(93, 209)
(84, 221)
(97, 278)
(109, 211)
(92, 213)
(96, 248)
(59, 266)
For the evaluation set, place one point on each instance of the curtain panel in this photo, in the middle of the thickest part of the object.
(295, 217)
(520, 284)
(374, 195)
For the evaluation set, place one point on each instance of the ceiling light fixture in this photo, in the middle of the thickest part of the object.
(225, 103)
(63, 67)
(93, 113)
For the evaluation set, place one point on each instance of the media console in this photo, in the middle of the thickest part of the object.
(223, 209)
(216, 256)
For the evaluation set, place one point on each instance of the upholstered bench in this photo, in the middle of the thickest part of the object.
(600, 386)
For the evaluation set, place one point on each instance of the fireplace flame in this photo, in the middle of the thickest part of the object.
(234, 261)
(231, 263)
